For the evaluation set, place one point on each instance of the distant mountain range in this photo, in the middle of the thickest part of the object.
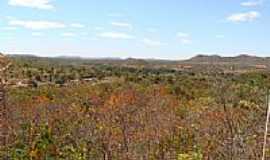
(199, 59)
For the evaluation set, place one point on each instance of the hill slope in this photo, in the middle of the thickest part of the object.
(241, 59)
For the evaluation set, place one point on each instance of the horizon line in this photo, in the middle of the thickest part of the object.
(132, 57)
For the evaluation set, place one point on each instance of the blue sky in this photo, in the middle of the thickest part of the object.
(167, 29)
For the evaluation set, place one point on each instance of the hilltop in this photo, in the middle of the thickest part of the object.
(240, 59)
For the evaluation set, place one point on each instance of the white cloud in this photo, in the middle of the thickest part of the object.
(77, 25)
(68, 34)
(186, 41)
(152, 30)
(115, 15)
(244, 17)
(152, 43)
(99, 28)
(220, 36)
(184, 38)
(37, 34)
(116, 35)
(183, 35)
(84, 34)
(37, 25)
(8, 28)
(251, 3)
(122, 24)
(39, 4)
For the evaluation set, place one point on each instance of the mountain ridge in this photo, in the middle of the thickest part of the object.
(245, 59)
(242, 58)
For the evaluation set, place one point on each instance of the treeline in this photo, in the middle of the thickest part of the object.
(38, 70)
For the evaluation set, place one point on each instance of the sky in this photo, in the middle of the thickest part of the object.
(160, 29)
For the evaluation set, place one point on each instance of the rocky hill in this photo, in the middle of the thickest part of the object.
(241, 59)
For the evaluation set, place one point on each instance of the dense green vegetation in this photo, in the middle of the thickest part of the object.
(131, 113)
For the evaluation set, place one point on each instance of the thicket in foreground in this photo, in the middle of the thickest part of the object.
(193, 118)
